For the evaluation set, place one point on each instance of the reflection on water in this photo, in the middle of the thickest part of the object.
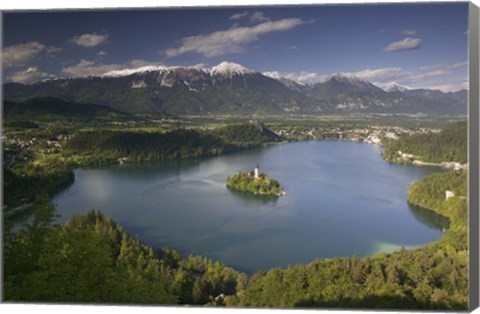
(385, 247)
(342, 199)
(429, 218)
(151, 168)
(260, 199)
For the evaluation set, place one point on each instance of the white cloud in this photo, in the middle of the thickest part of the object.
(305, 77)
(438, 76)
(369, 74)
(88, 68)
(422, 76)
(85, 68)
(443, 66)
(137, 63)
(89, 40)
(232, 40)
(424, 73)
(20, 54)
(445, 77)
(448, 87)
(102, 53)
(199, 65)
(237, 16)
(302, 77)
(405, 44)
(408, 32)
(51, 50)
(258, 17)
(28, 75)
(255, 17)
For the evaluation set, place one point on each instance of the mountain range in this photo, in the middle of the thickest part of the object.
(230, 88)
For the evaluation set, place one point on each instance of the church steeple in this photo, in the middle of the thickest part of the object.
(257, 170)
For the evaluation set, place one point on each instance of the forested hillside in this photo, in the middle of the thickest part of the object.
(54, 109)
(25, 186)
(91, 259)
(146, 146)
(448, 145)
(253, 133)
(102, 146)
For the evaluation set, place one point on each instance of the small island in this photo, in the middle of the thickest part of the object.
(256, 183)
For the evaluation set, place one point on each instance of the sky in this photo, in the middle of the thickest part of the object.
(415, 45)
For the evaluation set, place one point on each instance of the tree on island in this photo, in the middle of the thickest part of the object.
(255, 182)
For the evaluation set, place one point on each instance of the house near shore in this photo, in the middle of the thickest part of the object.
(374, 139)
(405, 155)
(449, 194)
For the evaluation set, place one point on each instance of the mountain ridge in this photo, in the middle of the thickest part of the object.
(232, 88)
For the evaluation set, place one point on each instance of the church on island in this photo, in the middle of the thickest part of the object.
(255, 172)
(256, 183)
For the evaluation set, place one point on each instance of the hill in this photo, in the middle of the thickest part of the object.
(51, 109)
(449, 145)
(254, 132)
(106, 146)
(91, 259)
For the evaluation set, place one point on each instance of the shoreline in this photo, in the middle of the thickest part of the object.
(23, 207)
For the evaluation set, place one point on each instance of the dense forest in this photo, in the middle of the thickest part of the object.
(248, 133)
(54, 109)
(25, 185)
(448, 145)
(103, 146)
(92, 259)
(109, 145)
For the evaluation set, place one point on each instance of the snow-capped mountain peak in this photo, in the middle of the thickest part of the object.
(229, 69)
(127, 72)
(350, 82)
(273, 74)
(394, 87)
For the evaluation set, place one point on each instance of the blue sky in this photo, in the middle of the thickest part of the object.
(416, 45)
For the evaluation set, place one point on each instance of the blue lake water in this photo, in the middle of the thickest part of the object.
(343, 199)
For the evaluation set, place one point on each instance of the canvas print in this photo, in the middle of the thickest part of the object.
(305, 156)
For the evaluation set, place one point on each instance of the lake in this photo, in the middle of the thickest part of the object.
(343, 199)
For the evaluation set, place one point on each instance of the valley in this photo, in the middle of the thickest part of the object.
(43, 155)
